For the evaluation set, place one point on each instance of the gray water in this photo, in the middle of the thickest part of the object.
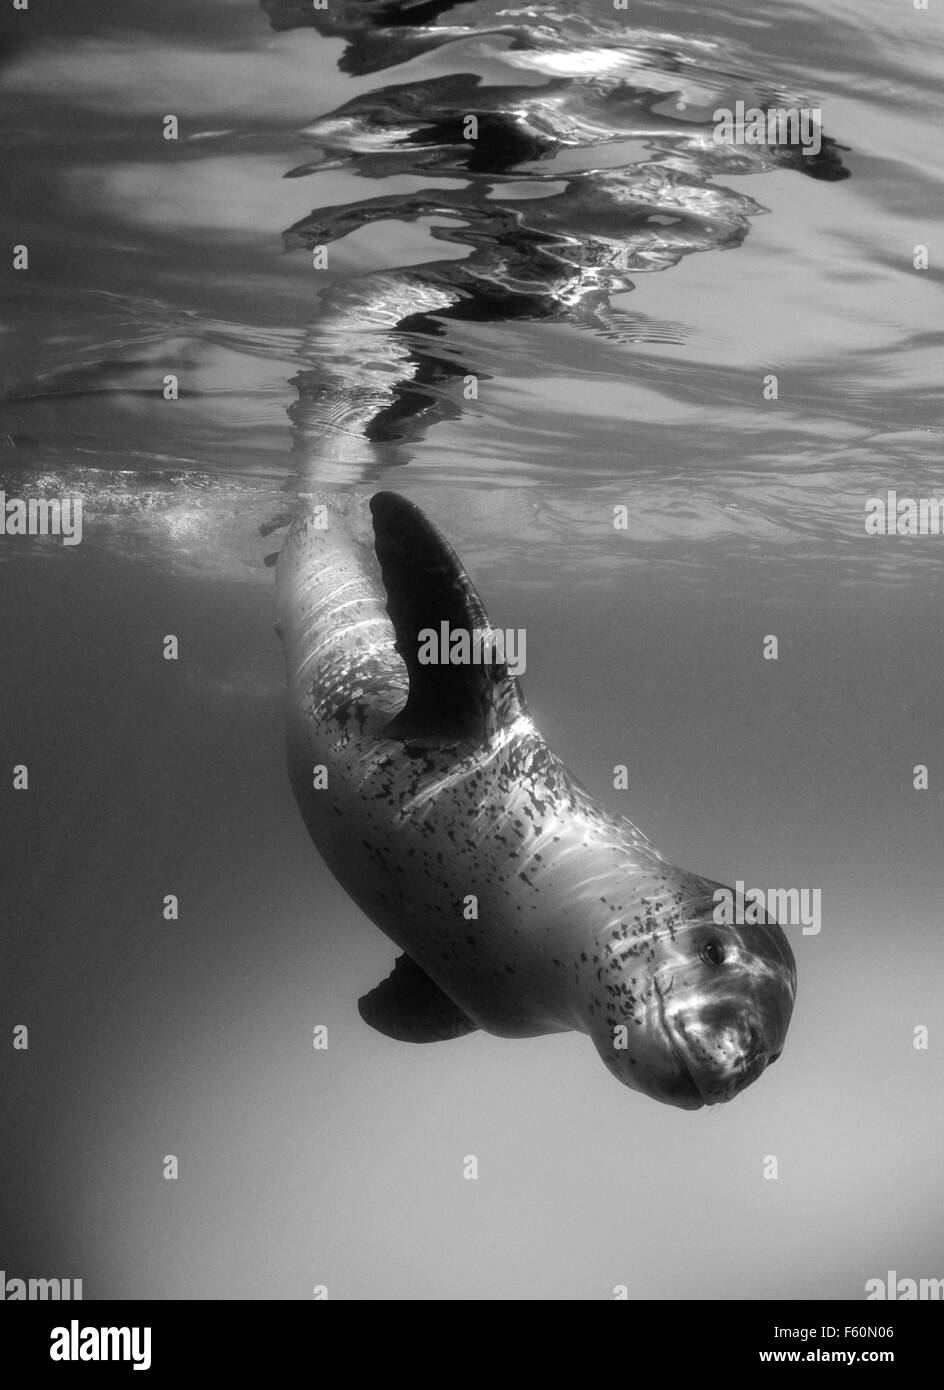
(344, 1168)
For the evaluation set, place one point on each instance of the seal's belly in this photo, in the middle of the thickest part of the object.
(451, 860)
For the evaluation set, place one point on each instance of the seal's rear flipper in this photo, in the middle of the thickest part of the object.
(409, 1007)
(427, 587)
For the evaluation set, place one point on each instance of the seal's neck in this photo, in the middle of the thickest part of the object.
(594, 947)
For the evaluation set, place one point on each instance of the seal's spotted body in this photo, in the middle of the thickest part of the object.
(440, 789)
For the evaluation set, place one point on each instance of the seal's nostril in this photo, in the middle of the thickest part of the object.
(774, 1058)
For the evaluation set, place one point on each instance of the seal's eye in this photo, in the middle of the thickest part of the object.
(712, 953)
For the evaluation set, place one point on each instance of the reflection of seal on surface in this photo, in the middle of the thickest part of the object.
(523, 906)
(511, 170)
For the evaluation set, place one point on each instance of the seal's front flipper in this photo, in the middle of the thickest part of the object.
(409, 1007)
(426, 589)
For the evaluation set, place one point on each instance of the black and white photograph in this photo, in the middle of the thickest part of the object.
(472, 573)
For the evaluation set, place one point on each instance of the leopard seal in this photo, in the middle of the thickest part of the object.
(521, 904)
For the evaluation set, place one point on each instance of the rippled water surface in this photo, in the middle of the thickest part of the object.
(583, 308)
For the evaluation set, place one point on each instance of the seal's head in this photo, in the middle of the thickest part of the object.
(694, 1011)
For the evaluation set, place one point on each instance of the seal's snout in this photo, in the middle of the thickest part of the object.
(727, 1029)
(723, 1049)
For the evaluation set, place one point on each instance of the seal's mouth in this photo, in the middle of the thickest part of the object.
(686, 1069)
(748, 1070)
(687, 1076)
(683, 1063)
